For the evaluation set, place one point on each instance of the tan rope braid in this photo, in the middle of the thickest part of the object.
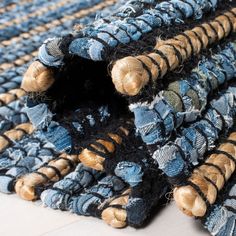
(15, 134)
(210, 177)
(113, 216)
(12, 6)
(26, 186)
(37, 13)
(94, 160)
(131, 74)
(18, 62)
(38, 78)
(54, 23)
(12, 95)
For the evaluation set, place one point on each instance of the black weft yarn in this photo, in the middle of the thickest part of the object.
(151, 193)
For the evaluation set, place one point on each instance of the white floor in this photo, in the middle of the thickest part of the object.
(22, 218)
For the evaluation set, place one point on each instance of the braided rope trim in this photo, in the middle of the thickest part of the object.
(129, 74)
(29, 187)
(15, 134)
(25, 164)
(214, 172)
(114, 212)
(12, 95)
(103, 146)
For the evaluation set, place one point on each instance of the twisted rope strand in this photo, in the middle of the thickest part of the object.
(96, 152)
(129, 74)
(14, 135)
(218, 167)
(26, 186)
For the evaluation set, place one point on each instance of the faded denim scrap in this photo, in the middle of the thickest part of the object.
(58, 197)
(87, 202)
(188, 149)
(12, 114)
(133, 28)
(25, 156)
(42, 119)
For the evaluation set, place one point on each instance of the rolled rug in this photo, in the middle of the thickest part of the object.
(72, 102)
(47, 81)
(55, 53)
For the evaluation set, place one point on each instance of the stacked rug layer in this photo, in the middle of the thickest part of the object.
(108, 106)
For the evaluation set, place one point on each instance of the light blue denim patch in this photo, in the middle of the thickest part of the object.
(106, 188)
(39, 115)
(58, 197)
(58, 136)
(130, 172)
(195, 140)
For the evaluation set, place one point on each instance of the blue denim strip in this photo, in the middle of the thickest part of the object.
(198, 138)
(151, 119)
(42, 119)
(222, 218)
(133, 28)
(39, 115)
(12, 114)
(106, 188)
(58, 197)
(58, 136)
(23, 157)
(131, 7)
(130, 172)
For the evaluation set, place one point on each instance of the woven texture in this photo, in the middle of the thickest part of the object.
(107, 107)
